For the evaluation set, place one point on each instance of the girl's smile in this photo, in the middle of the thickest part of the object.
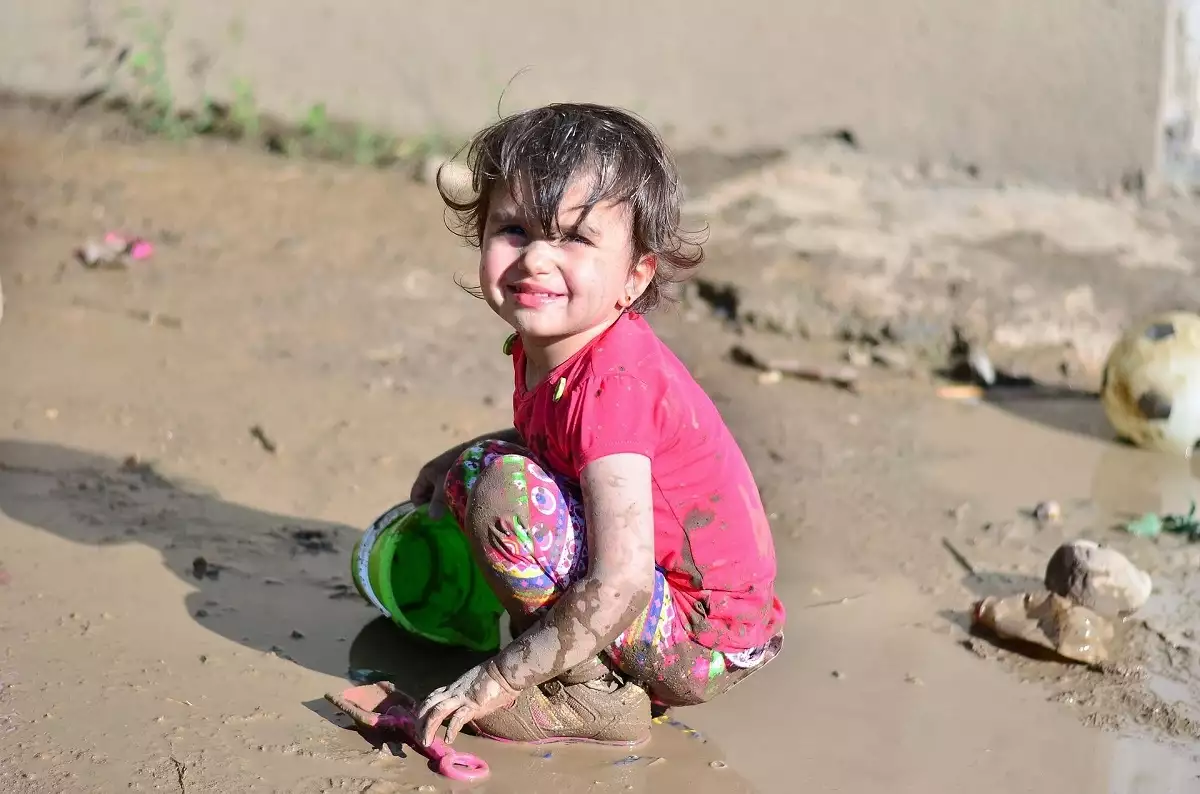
(532, 296)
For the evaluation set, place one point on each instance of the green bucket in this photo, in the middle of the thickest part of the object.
(419, 572)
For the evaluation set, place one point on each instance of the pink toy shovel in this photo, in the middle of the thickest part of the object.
(384, 707)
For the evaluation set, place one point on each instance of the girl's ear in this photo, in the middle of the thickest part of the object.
(640, 276)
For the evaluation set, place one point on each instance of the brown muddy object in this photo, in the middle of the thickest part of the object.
(603, 711)
(1050, 621)
(1097, 577)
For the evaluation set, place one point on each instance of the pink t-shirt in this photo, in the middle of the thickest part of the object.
(627, 392)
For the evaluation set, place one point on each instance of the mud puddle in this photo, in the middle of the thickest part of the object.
(677, 755)
(255, 619)
(999, 460)
(232, 699)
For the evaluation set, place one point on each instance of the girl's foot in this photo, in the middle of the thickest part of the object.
(606, 710)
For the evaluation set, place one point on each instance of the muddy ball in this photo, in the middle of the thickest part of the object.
(1151, 386)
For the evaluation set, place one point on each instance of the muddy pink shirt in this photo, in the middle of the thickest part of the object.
(627, 392)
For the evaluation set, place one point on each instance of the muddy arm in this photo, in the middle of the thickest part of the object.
(593, 612)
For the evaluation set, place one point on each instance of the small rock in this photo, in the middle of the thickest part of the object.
(201, 613)
(838, 674)
(1097, 577)
(1048, 512)
(297, 634)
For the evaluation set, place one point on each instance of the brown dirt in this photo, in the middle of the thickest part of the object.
(318, 304)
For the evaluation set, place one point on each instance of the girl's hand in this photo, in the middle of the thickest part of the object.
(480, 691)
(430, 485)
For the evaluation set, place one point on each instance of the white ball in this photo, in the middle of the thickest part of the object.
(1151, 386)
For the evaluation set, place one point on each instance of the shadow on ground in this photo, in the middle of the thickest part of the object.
(1057, 407)
(1062, 409)
(274, 583)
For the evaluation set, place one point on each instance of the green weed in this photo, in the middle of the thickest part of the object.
(154, 108)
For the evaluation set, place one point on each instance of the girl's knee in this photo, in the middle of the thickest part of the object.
(478, 469)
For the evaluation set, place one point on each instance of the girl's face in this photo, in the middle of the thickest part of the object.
(555, 289)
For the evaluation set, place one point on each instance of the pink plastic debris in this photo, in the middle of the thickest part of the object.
(141, 250)
(114, 251)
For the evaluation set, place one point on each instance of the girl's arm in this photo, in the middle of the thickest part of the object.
(619, 506)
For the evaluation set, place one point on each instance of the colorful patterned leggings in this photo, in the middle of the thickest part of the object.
(530, 534)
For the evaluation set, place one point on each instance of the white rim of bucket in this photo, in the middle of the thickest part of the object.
(362, 564)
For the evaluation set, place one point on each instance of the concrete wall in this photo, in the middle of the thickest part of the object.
(1067, 90)
(1180, 149)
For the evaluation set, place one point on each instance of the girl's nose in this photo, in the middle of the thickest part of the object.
(540, 257)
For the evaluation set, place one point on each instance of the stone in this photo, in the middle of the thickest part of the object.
(1097, 577)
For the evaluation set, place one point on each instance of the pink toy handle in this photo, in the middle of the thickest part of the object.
(450, 763)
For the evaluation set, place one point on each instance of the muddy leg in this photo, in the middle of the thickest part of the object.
(658, 652)
(526, 530)
(528, 536)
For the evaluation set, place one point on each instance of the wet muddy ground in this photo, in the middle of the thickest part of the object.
(190, 446)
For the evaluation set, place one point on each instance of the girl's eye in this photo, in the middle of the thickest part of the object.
(577, 238)
(511, 229)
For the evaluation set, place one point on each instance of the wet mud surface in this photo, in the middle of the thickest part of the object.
(191, 445)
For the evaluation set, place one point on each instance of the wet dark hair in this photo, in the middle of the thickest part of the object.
(546, 148)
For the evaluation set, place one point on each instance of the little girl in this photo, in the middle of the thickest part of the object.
(617, 522)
